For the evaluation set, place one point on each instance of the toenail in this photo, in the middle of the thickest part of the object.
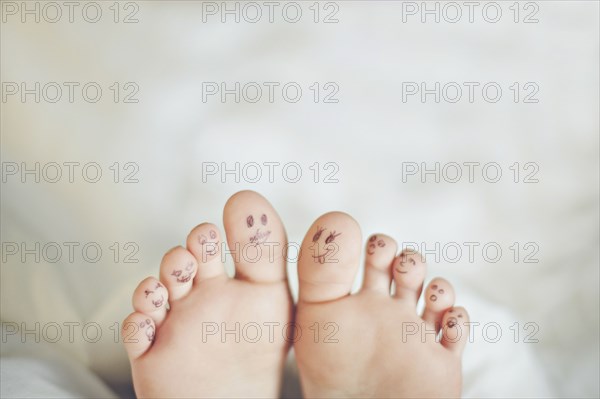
(434, 286)
(433, 298)
(441, 291)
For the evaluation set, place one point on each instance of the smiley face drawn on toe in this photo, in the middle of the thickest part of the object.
(259, 237)
(185, 274)
(330, 247)
(149, 329)
(209, 246)
(452, 321)
(154, 295)
(373, 244)
(436, 291)
(405, 264)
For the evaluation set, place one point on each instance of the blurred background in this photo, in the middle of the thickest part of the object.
(125, 124)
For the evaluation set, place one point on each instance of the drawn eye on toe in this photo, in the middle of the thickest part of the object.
(148, 292)
(263, 219)
(433, 297)
(213, 234)
(150, 331)
(434, 287)
(318, 234)
(331, 237)
(441, 291)
(176, 273)
(250, 221)
(381, 243)
(452, 322)
(372, 239)
(202, 239)
(158, 285)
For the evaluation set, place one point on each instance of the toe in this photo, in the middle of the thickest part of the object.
(455, 329)
(439, 297)
(329, 258)
(409, 270)
(137, 334)
(205, 243)
(150, 298)
(177, 269)
(256, 238)
(381, 251)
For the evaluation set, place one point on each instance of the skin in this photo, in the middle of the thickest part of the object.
(373, 343)
(187, 353)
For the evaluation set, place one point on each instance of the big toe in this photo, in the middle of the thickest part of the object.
(329, 258)
(256, 238)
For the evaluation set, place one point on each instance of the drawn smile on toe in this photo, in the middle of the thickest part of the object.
(440, 291)
(210, 247)
(373, 244)
(159, 302)
(321, 258)
(318, 257)
(180, 276)
(260, 237)
(152, 294)
(404, 262)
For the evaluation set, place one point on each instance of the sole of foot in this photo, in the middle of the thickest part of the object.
(373, 343)
(195, 331)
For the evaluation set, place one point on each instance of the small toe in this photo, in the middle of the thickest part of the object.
(151, 298)
(439, 297)
(329, 258)
(137, 333)
(205, 243)
(455, 329)
(256, 238)
(177, 270)
(409, 270)
(381, 250)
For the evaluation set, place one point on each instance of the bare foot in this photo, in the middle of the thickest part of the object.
(373, 344)
(220, 337)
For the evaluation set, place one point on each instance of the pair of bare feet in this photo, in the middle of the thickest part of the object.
(198, 333)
